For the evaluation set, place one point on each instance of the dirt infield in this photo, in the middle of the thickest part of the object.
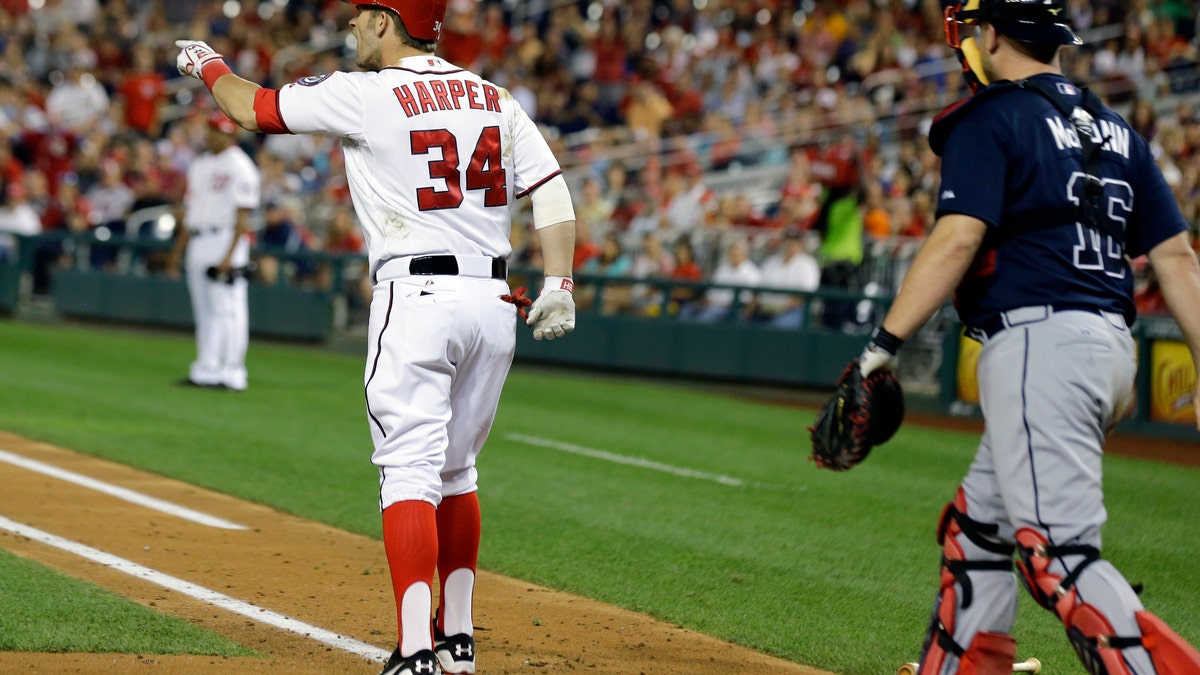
(314, 574)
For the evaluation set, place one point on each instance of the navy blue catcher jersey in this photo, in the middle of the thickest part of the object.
(1011, 159)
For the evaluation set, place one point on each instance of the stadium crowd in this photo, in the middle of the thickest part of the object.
(771, 143)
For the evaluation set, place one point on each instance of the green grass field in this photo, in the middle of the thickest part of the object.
(694, 507)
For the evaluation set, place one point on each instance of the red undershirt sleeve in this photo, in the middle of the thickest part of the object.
(267, 113)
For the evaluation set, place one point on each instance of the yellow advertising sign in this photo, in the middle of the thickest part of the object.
(968, 360)
(1173, 382)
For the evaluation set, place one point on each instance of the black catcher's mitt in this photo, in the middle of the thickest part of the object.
(861, 414)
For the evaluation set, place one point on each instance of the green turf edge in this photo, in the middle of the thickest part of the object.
(43, 610)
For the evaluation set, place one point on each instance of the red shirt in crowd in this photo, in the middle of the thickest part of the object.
(143, 94)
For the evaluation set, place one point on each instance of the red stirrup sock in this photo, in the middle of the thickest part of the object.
(458, 528)
(410, 540)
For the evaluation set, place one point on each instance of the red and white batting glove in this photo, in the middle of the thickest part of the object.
(553, 313)
(518, 299)
(200, 61)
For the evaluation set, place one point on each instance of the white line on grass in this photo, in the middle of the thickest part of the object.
(622, 459)
(252, 612)
(119, 492)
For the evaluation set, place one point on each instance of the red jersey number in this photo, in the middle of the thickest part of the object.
(484, 171)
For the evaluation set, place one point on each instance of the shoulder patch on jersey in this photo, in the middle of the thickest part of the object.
(313, 79)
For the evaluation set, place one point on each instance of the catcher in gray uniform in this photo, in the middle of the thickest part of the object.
(1045, 193)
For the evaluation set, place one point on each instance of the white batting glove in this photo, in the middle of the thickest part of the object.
(194, 56)
(553, 313)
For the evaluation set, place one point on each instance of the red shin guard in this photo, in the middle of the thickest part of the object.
(1171, 654)
(1091, 633)
(989, 654)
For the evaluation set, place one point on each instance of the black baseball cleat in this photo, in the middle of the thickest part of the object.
(456, 653)
(421, 663)
(189, 382)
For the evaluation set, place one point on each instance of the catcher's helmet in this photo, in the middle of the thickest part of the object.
(1039, 21)
(422, 18)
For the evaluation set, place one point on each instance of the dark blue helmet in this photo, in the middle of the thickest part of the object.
(1038, 21)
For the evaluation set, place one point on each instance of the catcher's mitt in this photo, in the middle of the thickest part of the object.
(862, 413)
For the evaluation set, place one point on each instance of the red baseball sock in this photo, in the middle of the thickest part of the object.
(410, 539)
(458, 528)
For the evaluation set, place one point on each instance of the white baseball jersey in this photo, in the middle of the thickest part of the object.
(405, 137)
(219, 185)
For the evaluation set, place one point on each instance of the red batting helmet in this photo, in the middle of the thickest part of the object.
(422, 18)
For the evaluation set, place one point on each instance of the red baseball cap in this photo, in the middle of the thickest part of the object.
(219, 122)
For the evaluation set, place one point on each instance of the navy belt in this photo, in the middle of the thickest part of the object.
(1025, 315)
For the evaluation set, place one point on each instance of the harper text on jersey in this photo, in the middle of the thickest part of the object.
(446, 95)
(1117, 137)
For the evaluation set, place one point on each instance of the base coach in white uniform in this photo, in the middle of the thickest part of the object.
(223, 191)
(435, 157)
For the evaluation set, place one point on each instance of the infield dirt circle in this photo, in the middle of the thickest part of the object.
(312, 573)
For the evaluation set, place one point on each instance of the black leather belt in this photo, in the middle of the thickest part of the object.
(201, 231)
(995, 323)
(448, 265)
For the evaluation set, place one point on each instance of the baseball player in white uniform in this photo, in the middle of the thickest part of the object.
(435, 157)
(223, 191)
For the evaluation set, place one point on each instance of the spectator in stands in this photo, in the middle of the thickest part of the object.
(609, 51)
(799, 197)
(17, 218)
(877, 218)
(646, 114)
(652, 261)
(283, 236)
(142, 92)
(527, 255)
(736, 269)
(841, 252)
(1144, 119)
(737, 210)
(792, 268)
(919, 213)
(112, 202)
(688, 270)
(1147, 294)
(66, 211)
(593, 204)
(586, 246)
(343, 239)
(277, 181)
(78, 102)
(613, 263)
(686, 198)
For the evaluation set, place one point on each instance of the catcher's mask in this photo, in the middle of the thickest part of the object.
(1038, 21)
(422, 18)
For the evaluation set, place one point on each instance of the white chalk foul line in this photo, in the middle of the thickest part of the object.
(252, 612)
(622, 459)
(119, 492)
